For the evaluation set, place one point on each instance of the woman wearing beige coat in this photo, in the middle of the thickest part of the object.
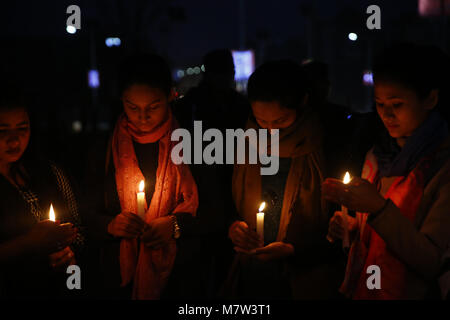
(401, 229)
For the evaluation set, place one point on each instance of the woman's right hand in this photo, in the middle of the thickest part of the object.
(336, 227)
(48, 236)
(243, 238)
(60, 260)
(126, 225)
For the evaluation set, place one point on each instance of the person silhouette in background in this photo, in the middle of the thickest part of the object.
(347, 134)
(217, 105)
(215, 102)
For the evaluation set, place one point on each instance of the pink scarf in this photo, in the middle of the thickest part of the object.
(370, 249)
(175, 191)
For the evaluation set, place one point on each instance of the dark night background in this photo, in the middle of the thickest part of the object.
(71, 122)
(53, 64)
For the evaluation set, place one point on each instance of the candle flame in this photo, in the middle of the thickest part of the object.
(262, 206)
(51, 214)
(347, 178)
(141, 186)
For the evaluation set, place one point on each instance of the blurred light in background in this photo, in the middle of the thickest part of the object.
(434, 7)
(244, 64)
(352, 36)
(191, 71)
(77, 126)
(180, 73)
(103, 126)
(113, 42)
(368, 78)
(93, 79)
(71, 29)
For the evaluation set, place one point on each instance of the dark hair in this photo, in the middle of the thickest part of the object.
(12, 96)
(219, 61)
(318, 81)
(148, 69)
(316, 70)
(418, 67)
(283, 81)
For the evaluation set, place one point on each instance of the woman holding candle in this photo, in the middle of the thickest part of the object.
(402, 199)
(34, 251)
(145, 246)
(295, 221)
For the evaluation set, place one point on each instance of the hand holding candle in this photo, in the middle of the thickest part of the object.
(243, 238)
(47, 237)
(126, 225)
(344, 211)
(52, 217)
(359, 195)
(61, 259)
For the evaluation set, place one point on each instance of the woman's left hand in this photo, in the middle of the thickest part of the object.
(158, 232)
(61, 259)
(273, 251)
(359, 194)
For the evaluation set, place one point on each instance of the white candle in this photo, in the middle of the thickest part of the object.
(346, 240)
(260, 221)
(51, 214)
(141, 200)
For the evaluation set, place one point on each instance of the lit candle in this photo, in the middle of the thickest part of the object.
(346, 240)
(260, 221)
(141, 200)
(51, 213)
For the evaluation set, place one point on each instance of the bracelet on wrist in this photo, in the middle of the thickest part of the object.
(176, 227)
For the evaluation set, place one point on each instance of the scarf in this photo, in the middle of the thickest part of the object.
(395, 161)
(298, 142)
(302, 203)
(175, 191)
(369, 248)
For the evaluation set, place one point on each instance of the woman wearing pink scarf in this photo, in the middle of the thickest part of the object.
(141, 148)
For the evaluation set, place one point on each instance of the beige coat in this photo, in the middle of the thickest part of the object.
(422, 244)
